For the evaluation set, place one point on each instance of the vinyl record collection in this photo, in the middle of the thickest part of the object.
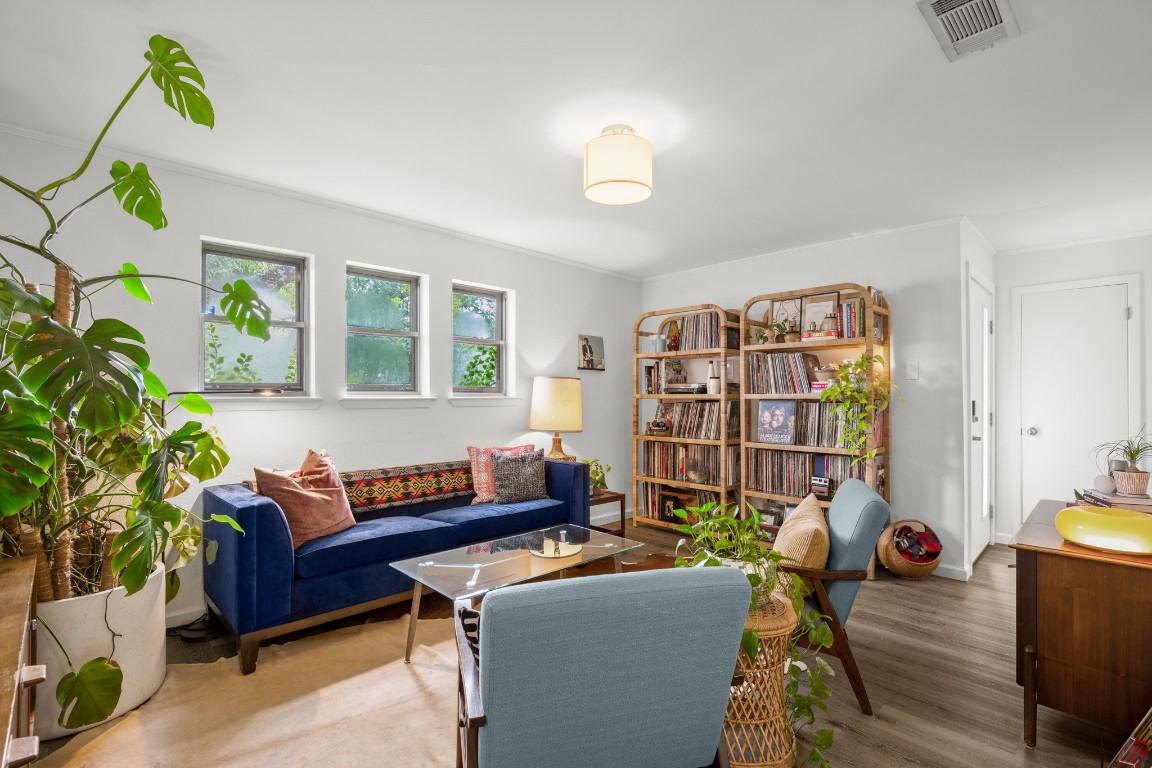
(702, 331)
(698, 464)
(698, 420)
(781, 373)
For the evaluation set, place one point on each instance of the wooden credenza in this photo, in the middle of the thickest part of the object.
(18, 673)
(1083, 627)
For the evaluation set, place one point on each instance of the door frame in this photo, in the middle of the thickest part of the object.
(1135, 369)
(974, 275)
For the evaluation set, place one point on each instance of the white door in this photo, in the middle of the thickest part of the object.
(980, 328)
(1074, 379)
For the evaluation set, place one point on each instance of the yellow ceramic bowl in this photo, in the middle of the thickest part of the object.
(1112, 530)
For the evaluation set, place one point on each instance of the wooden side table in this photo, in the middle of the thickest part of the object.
(607, 497)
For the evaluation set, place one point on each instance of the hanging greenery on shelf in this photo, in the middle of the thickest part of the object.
(859, 392)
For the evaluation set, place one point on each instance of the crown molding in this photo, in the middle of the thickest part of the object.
(968, 226)
(1072, 243)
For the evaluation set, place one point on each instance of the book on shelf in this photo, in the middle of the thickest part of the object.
(662, 374)
(818, 335)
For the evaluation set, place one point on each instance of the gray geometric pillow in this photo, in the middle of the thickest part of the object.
(519, 478)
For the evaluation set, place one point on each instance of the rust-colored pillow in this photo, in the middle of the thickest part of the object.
(483, 479)
(313, 499)
(803, 537)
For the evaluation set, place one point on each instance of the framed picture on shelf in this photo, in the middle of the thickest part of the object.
(787, 311)
(670, 500)
(776, 422)
(591, 353)
(815, 311)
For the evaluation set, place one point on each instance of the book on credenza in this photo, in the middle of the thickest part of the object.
(1100, 499)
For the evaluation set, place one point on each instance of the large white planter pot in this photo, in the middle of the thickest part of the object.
(79, 624)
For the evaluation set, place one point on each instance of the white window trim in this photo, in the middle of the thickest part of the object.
(363, 398)
(301, 398)
(509, 327)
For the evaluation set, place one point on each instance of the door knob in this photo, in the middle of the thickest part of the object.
(1033, 431)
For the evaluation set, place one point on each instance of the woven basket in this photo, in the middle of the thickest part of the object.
(905, 569)
(1131, 483)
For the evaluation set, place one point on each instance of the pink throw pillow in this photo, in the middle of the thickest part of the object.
(483, 480)
(313, 499)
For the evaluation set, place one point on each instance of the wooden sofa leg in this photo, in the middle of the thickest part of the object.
(249, 649)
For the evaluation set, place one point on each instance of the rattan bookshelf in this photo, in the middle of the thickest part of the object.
(781, 472)
(666, 465)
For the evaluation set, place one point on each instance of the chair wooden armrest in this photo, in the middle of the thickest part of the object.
(472, 709)
(823, 574)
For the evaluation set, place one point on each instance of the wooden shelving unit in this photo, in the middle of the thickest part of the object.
(781, 472)
(666, 465)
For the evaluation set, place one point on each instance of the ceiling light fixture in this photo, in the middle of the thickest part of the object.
(618, 167)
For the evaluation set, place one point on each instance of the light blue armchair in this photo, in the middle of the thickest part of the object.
(621, 670)
(856, 518)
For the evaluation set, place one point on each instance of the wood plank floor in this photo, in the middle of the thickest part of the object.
(937, 658)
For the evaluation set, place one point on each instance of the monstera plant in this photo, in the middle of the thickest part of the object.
(88, 460)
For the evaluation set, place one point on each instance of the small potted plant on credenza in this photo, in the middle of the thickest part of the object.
(1130, 480)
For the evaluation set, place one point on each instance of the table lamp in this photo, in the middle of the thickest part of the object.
(556, 408)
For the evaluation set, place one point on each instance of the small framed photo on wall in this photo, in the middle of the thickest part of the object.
(590, 352)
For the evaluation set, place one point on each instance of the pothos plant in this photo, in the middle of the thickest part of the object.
(721, 536)
(859, 391)
(598, 473)
(90, 461)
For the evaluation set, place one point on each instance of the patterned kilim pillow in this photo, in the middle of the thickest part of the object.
(374, 489)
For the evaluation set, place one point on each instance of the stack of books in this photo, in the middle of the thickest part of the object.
(1099, 499)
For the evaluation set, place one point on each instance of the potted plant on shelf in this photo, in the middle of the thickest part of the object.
(597, 475)
(781, 630)
(91, 463)
(859, 392)
(1131, 481)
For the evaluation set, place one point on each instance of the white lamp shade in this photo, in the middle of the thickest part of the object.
(556, 405)
(618, 167)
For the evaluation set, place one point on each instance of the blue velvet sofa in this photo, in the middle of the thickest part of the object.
(262, 588)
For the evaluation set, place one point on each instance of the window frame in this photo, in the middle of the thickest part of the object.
(300, 263)
(500, 342)
(413, 331)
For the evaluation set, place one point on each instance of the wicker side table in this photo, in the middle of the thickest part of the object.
(757, 731)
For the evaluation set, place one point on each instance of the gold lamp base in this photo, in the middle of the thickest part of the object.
(557, 452)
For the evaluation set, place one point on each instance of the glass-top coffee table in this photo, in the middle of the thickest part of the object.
(470, 571)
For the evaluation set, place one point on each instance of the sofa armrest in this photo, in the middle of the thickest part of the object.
(250, 579)
(568, 481)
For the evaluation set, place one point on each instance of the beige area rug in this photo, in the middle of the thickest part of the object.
(342, 698)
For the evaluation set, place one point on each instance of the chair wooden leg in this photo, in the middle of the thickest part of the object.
(249, 650)
(844, 653)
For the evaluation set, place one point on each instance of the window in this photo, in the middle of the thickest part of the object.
(383, 337)
(234, 362)
(478, 342)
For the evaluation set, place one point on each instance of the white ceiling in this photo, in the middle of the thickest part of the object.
(774, 123)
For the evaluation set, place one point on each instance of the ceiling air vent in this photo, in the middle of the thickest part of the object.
(965, 26)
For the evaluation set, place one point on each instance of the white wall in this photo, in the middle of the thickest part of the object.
(1130, 255)
(555, 301)
(919, 270)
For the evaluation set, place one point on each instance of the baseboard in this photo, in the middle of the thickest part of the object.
(185, 615)
(956, 572)
(1003, 538)
(607, 517)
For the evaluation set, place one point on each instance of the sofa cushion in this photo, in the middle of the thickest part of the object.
(494, 521)
(373, 541)
(370, 490)
(519, 478)
(313, 500)
(483, 478)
